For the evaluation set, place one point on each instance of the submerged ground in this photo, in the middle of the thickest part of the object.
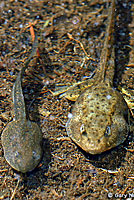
(65, 172)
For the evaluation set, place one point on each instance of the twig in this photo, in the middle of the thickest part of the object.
(14, 192)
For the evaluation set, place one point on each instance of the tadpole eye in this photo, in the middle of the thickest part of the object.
(84, 133)
(107, 131)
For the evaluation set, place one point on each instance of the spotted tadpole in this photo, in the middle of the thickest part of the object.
(99, 119)
(22, 138)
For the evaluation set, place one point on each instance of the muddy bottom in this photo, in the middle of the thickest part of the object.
(71, 36)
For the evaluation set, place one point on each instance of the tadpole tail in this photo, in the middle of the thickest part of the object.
(108, 49)
(33, 53)
(18, 98)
